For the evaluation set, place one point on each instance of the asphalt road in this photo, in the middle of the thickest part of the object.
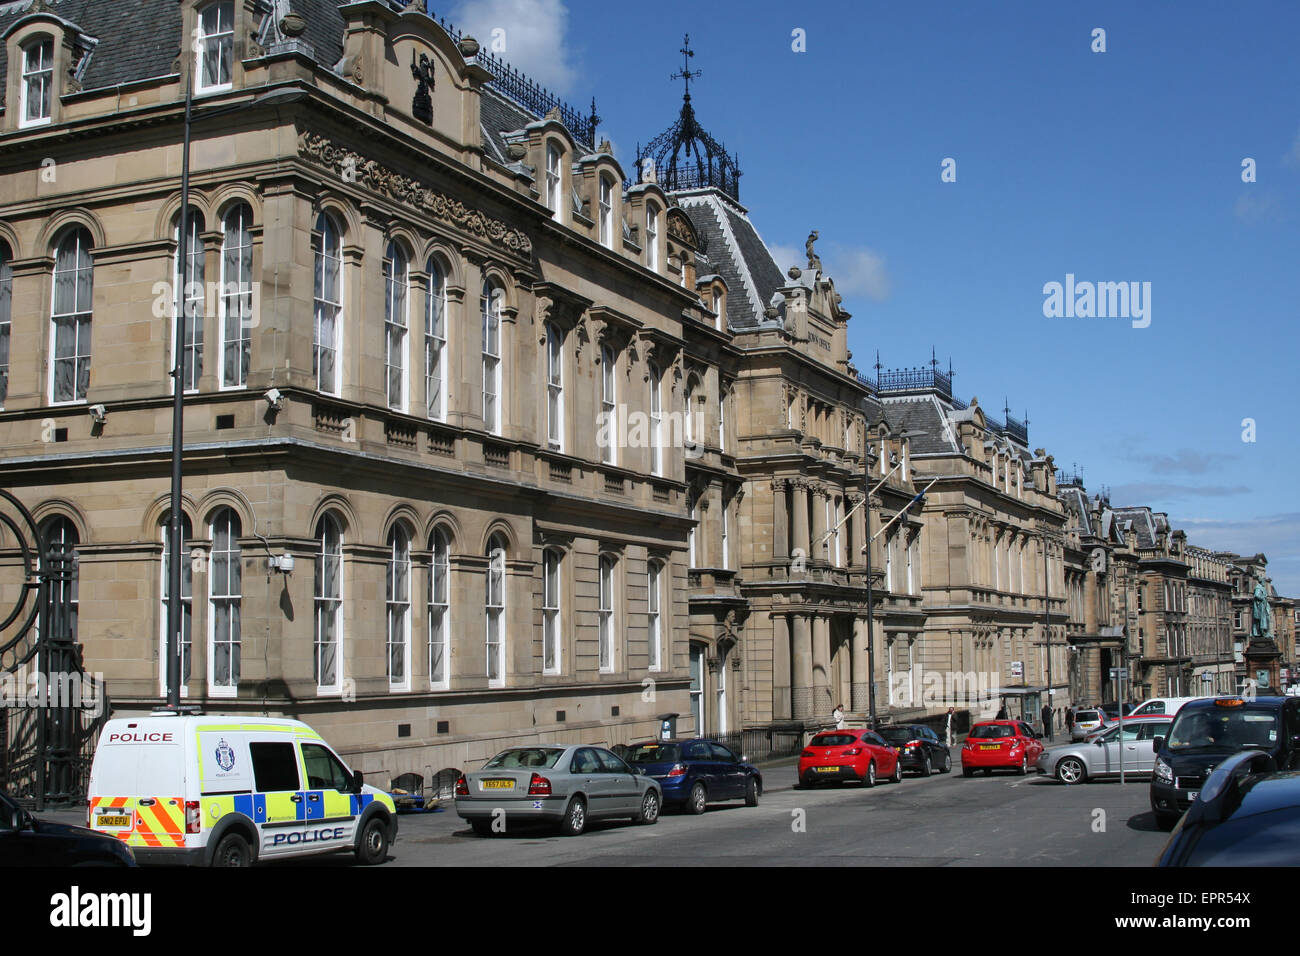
(943, 820)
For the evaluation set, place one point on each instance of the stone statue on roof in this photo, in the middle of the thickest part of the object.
(814, 261)
(1261, 615)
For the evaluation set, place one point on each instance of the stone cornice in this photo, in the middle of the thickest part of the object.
(408, 191)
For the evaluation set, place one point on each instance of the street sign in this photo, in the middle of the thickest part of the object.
(1017, 668)
(1119, 673)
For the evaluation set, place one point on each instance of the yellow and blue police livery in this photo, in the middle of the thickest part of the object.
(231, 791)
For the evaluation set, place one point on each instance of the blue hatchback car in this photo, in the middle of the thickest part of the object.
(694, 773)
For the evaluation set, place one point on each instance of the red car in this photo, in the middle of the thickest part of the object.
(858, 755)
(1000, 745)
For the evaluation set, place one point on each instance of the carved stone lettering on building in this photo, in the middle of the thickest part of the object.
(412, 193)
(819, 340)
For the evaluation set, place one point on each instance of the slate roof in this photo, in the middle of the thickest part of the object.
(1142, 521)
(734, 251)
(924, 420)
(1076, 502)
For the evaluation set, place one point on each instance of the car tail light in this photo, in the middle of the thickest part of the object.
(677, 770)
(853, 751)
(193, 818)
(809, 753)
(539, 786)
(912, 744)
(462, 787)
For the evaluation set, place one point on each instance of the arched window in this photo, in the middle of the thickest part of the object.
(651, 237)
(188, 299)
(396, 322)
(554, 388)
(490, 305)
(59, 615)
(74, 281)
(435, 344)
(328, 639)
(606, 613)
(439, 610)
(495, 612)
(608, 408)
(327, 247)
(398, 598)
(6, 298)
(225, 597)
(725, 531)
(656, 423)
(187, 604)
(688, 425)
(654, 619)
(214, 46)
(606, 212)
(552, 650)
(554, 181)
(697, 686)
(37, 83)
(236, 296)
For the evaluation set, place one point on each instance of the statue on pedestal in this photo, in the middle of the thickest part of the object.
(1261, 615)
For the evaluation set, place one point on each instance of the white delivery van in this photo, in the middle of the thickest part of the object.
(1161, 705)
(230, 791)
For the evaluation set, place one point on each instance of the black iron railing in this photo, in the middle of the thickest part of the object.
(914, 380)
(763, 743)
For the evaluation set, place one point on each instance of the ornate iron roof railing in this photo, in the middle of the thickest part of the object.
(869, 382)
(916, 379)
(1018, 430)
(533, 97)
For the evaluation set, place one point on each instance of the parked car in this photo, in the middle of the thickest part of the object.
(1205, 732)
(1112, 710)
(1100, 755)
(569, 785)
(1246, 815)
(26, 840)
(919, 748)
(859, 755)
(1163, 705)
(695, 773)
(1086, 721)
(1000, 745)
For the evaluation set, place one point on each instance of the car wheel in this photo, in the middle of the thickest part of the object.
(988, 771)
(751, 793)
(233, 850)
(898, 772)
(967, 772)
(1166, 821)
(575, 817)
(870, 779)
(649, 814)
(698, 800)
(1071, 770)
(926, 769)
(947, 763)
(1024, 765)
(482, 827)
(373, 847)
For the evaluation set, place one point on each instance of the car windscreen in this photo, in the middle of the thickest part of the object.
(897, 735)
(1086, 717)
(833, 740)
(992, 731)
(525, 758)
(654, 753)
(1220, 728)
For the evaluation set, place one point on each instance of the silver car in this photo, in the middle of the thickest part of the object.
(570, 785)
(1100, 755)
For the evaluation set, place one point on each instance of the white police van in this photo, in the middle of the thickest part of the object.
(231, 791)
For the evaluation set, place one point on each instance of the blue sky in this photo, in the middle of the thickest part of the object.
(1123, 165)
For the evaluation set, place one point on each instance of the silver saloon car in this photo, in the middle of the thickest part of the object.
(569, 785)
(1100, 756)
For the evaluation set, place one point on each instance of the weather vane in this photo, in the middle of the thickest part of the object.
(685, 73)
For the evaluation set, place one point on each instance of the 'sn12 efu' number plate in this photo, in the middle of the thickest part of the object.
(113, 820)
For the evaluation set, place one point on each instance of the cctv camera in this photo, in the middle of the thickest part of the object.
(98, 413)
(273, 397)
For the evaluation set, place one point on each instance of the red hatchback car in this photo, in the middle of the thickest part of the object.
(858, 755)
(1000, 745)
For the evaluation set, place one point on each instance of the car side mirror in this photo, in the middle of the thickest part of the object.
(17, 820)
(358, 781)
(1157, 743)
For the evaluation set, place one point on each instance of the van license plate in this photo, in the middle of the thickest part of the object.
(113, 820)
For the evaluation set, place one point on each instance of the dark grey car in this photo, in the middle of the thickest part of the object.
(569, 785)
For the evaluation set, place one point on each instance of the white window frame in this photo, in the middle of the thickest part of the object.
(439, 609)
(554, 388)
(656, 422)
(81, 316)
(236, 302)
(654, 615)
(495, 613)
(397, 602)
(42, 76)
(6, 314)
(651, 237)
(490, 308)
(189, 300)
(609, 402)
(606, 212)
(212, 38)
(722, 422)
(723, 522)
(231, 595)
(692, 558)
(552, 611)
(435, 344)
(555, 180)
(187, 605)
(328, 604)
(397, 324)
(327, 243)
(607, 613)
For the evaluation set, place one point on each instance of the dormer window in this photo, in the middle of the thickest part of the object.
(38, 82)
(606, 212)
(215, 46)
(651, 237)
(554, 194)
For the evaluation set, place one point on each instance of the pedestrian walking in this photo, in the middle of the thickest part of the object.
(1002, 712)
(1069, 719)
(837, 715)
(950, 728)
(1047, 721)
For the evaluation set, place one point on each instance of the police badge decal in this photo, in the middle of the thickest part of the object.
(225, 755)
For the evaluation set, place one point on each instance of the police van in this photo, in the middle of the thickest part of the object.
(231, 791)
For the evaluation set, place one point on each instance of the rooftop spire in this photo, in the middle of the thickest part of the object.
(685, 72)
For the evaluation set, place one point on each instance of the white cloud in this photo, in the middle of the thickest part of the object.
(857, 270)
(1273, 535)
(787, 256)
(1250, 209)
(533, 37)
